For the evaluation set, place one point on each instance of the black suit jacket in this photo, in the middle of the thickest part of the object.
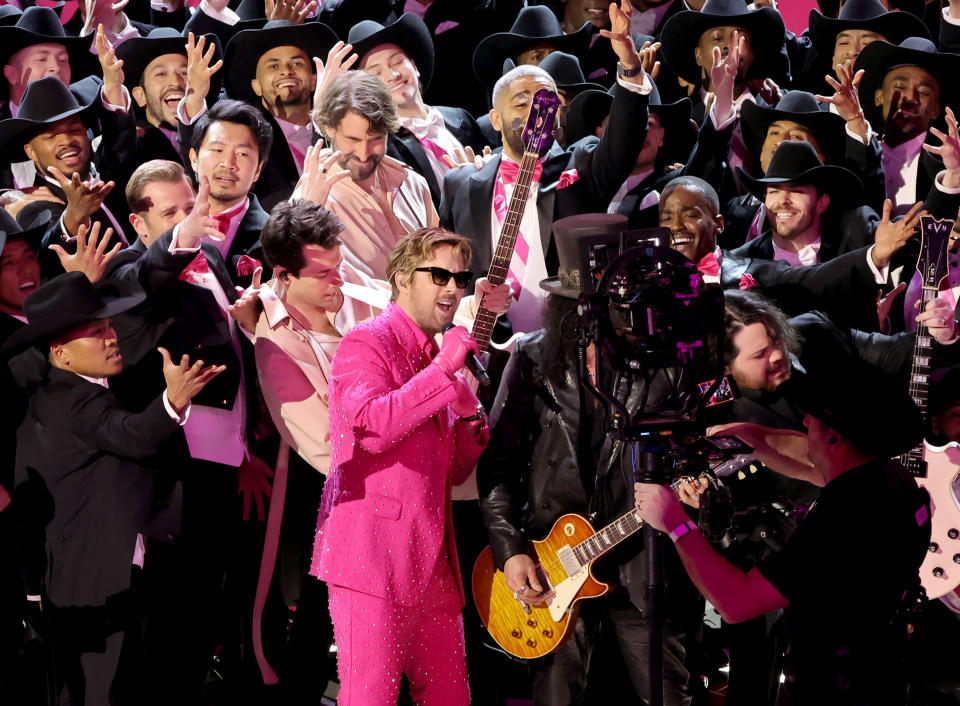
(181, 316)
(602, 165)
(405, 146)
(84, 484)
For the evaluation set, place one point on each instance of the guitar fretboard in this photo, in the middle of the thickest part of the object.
(500, 265)
(918, 388)
(607, 538)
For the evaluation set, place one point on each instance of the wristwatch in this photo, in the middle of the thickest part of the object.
(624, 72)
(476, 417)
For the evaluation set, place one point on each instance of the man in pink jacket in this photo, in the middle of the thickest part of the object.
(404, 428)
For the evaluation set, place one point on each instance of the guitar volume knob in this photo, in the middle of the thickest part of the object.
(531, 643)
(532, 622)
(548, 633)
(516, 633)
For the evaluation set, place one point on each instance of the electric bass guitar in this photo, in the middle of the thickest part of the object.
(936, 468)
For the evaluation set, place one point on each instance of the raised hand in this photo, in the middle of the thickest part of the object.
(105, 12)
(253, 483)
(723, 77)
(949, 151)
(199, 72)
(648, 59)
(112, 68)
(893, 235)
(92, 256)
(83, 198)
(339, 60)
(320, 173)
(846, 91)
(293, 11)
(467, 158)
(620, 38)
(246, 309)
(184, 381)
(199, 224)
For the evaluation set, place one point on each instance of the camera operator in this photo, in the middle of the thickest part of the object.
(549, 455)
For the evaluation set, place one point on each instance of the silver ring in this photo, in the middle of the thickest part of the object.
(516, 596)
(522, 589)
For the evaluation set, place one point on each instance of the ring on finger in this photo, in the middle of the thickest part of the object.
(522, 589)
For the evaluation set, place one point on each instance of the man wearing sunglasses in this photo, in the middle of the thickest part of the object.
(404, 428)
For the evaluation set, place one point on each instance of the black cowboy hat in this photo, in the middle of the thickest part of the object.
(534, 25)
(138, 52)
(64, 302)
(573, 235)
(864, 15)
(914, 7)
(245, 49)
(409, 33)
(40, 25)
(797, 162)
(879, 57)
(860, 402)
(10, 228)
(682, 33)
(587, 110)
(802, 108)
(342, 16)
(46, 101)
(565, 71)
(9, 15)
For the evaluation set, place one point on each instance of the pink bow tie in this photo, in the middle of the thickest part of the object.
(709, 266)
(510, 171)
(197, 267)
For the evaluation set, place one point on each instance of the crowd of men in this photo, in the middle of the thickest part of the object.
(242, 249)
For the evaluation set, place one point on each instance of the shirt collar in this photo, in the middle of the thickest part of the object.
(807, 255)
(908, 149)
(423, 342)
(102, 382)
(423, 127)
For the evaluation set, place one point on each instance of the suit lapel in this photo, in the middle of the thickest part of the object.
(480, 187)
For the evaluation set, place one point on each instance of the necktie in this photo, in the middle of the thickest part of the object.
(509, 173)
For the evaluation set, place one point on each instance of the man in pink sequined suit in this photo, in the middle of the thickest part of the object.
(404, 429)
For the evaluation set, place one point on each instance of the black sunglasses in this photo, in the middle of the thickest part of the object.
(442, 276)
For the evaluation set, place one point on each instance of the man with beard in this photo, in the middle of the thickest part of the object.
(581, 179)
(382, 200)
(270, 68)
(155, 73)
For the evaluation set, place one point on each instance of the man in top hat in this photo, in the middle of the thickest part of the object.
(906, 87)
(669, 139)
(87, 458)
(585, 177)
(848, 637)
(378, 199)
(690, 38)
(548, 455)
(271, 68)
(401, 55)
(155, 73)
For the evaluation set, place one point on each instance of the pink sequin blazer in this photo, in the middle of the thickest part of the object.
(397, 449)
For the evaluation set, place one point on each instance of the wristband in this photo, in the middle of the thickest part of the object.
(624, 72)
(476, 417)
(682, 530)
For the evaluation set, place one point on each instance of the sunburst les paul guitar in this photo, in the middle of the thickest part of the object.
(936, 468)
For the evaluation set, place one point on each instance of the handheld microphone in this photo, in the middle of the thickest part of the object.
(474, 364)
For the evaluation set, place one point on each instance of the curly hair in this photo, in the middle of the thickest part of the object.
(742, 308)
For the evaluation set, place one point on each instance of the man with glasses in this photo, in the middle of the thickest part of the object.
(404, 428)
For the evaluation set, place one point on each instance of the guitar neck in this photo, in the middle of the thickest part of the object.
(606, 539)
(506, 244)
(919, 384)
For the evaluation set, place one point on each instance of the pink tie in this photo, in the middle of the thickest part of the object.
(509, 172)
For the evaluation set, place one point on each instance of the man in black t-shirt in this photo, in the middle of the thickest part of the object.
(848, 573)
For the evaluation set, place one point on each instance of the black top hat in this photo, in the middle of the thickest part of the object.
(46, 101)
(797, 162)
(866, 406)
(587, 110)
(802, 108)
(9, 15)
(245, 49)
(409, 33)
(864, 15)
(878, 58)
(534, 25)
(573, 235)
(66, 301)
(40, 25)
(138, 52)
(682, 33)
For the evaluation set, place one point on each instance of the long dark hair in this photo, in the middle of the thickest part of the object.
(562, 325)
